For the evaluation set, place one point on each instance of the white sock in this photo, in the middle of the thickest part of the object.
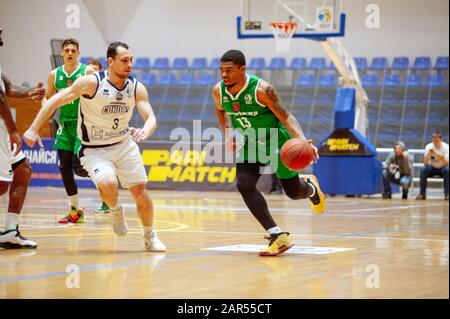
(12, 220)
(274, 230)
(313, 188)
(74, 201)
(117, 207)
(148, 229)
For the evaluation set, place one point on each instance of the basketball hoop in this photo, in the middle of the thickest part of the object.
(283, 33)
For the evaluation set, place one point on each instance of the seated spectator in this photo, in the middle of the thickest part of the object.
(435, 163)
(398, 170)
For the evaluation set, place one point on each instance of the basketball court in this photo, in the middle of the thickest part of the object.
(362, 248)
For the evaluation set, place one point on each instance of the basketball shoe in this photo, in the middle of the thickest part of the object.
(153, 243)
(120, 225)
(12, 239)
(318, 199)
(73, 216)
(103, 208)
(278, 244)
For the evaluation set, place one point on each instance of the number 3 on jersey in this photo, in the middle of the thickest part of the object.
(244, 122)
(116, 123)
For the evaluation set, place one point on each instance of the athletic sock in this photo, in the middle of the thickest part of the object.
(74, 202)
(274, 230)
(147, 229)
(12, 220)
(117, 207)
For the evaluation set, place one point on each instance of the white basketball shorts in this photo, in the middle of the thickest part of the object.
(123, 160)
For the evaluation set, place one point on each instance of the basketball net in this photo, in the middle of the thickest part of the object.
(283, 33)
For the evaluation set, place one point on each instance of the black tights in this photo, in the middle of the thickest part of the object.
(66, 169)
(248, 175)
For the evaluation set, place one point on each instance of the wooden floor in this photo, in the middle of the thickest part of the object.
(395, 249)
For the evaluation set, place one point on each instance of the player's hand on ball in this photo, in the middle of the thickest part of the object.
(138, 134)
(316, 152)
(31, 137)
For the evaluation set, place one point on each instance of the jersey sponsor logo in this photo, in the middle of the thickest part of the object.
(111, 134)
(255, 113)
(96, 133)
(236, 107)
(248, 99)
(119, 96)
(69, 82)
(100, 134)
(115, 109)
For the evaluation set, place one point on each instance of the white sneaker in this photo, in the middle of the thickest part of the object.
(153, 243)
(120, 225)
(11, 239)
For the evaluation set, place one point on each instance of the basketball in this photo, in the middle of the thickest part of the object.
(296, 154)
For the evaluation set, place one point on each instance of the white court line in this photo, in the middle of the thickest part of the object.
(250, 233)
(326, 236)
(306, 212)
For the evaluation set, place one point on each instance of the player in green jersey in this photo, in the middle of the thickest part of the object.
(251, 105)
(66, 141)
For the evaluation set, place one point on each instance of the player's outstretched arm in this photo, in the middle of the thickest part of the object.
(83, 86)
(17, 92)
(146, 111)
(268, 96)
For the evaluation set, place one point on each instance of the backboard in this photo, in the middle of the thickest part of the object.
(316, 19)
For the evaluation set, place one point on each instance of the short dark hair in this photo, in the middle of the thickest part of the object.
(112, 49)
(235, 56)
(437, 134)
(70, 41)
(96, 62)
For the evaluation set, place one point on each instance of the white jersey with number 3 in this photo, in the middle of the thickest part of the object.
(103, 119)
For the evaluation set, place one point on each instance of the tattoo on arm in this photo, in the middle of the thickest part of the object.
(291, 123)
(273, 96)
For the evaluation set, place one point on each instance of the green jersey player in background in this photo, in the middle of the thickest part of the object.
(67, 142)
(251, 105)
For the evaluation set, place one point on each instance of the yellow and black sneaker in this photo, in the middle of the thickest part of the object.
(318, 200)
(278, 244)
(73, 216)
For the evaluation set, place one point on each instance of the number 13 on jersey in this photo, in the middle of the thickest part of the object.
(244, 122)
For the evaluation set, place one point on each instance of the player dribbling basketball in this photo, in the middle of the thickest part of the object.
(248, 103)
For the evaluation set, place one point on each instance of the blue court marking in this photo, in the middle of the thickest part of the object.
(107, 266)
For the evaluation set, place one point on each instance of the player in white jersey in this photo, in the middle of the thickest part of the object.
(109, 148)
(14, 167)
